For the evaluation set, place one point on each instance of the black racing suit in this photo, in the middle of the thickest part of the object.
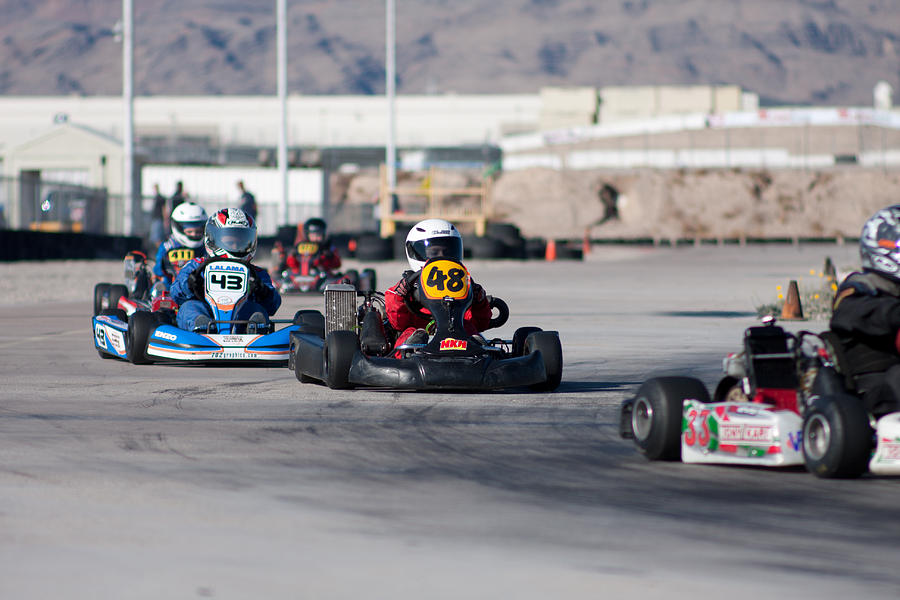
(866, 320)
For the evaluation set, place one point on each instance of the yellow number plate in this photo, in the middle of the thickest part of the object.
(179, 256)
(445, 278)
(307, 248)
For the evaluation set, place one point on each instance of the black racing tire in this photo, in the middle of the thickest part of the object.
(311, 322)
(368, 280)
(298, 372)
(140, 326)
(101, 290)
(374, 247)
(567, 252)
(119, 314)
(352, 276)
(519, 337)
(486, 247)
(505, 232)
(116, 291)
(837, 437)
(536, 248)
(502, 313)
(656, 414)
(340, 347)
(547, 342)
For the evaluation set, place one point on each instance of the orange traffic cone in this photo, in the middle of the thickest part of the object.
(586, 244)
(792, 311)
(551, 250)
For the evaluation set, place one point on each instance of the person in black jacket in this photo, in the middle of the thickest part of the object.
(866, 317)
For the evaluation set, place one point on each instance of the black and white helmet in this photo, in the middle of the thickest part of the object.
(879, 244)
(231, 232)
(432, 238)
(188, 220)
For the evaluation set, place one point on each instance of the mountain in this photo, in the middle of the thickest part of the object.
(820, 52)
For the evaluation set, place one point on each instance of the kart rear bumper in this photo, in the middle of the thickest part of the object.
(426, 372)
(422, 372)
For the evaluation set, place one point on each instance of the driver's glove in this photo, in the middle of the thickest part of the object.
(407, 284)
(262, 292)
(195, 283)
(478, 293)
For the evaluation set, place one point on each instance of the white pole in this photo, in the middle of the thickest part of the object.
(281, 35)
(390, 80)
(128, 108)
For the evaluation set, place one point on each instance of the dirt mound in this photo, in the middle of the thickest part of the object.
(703, 203)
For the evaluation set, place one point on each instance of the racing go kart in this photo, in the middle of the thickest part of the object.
(345, 347)
(145, 337)
(310, 278)
(783, 401)
(138, 293)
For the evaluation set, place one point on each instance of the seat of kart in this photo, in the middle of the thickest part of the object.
(771, 362)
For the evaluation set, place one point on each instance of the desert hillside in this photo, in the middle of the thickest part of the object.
(827, 52)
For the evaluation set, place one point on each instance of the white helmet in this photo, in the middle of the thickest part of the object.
(432, 238)
(188, 222)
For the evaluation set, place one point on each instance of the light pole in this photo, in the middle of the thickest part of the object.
(390, 79)
(281, 41)
(128, 117)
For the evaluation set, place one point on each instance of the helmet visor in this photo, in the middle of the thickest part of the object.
(236, 241)
(192, 230)
(439, 247)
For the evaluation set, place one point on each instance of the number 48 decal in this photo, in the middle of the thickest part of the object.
(445, 278)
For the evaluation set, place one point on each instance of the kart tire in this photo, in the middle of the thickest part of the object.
(656, 414)
(100, 291)
(502, 313)
(352, 276)
(486, 247)
(295, 362)
(340, 347)
(518, 341)
(117, 291)
(837, 437)
(119, 314)
(140, 325)
(368, 281)
(310, 321)
(374, 247)
(547, 342)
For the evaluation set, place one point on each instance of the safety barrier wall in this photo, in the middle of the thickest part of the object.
(39, 245)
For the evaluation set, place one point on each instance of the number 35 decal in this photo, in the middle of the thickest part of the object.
(445, 278)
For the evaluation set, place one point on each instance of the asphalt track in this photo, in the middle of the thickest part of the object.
(123, 481)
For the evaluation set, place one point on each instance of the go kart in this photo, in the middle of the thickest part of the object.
(346, 347)
(137, 293)
(310, 278)
(145, 336)
(783, 401)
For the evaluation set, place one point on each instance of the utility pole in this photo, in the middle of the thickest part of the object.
(128, 117)
(281, 40)
(390, 80)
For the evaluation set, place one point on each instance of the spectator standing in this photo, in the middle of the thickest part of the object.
(177, 198)
(158, 217)
(248, 200)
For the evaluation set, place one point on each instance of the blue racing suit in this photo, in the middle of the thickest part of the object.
(171, 256)
(266, 301)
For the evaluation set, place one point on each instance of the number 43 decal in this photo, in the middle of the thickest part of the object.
(229, 281)
(443, 278)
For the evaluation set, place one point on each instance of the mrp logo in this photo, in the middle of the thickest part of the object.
(452, 344)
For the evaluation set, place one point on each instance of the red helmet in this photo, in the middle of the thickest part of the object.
(231, 232)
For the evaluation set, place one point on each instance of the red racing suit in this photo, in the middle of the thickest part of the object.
(405, 322)
(325, 259)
